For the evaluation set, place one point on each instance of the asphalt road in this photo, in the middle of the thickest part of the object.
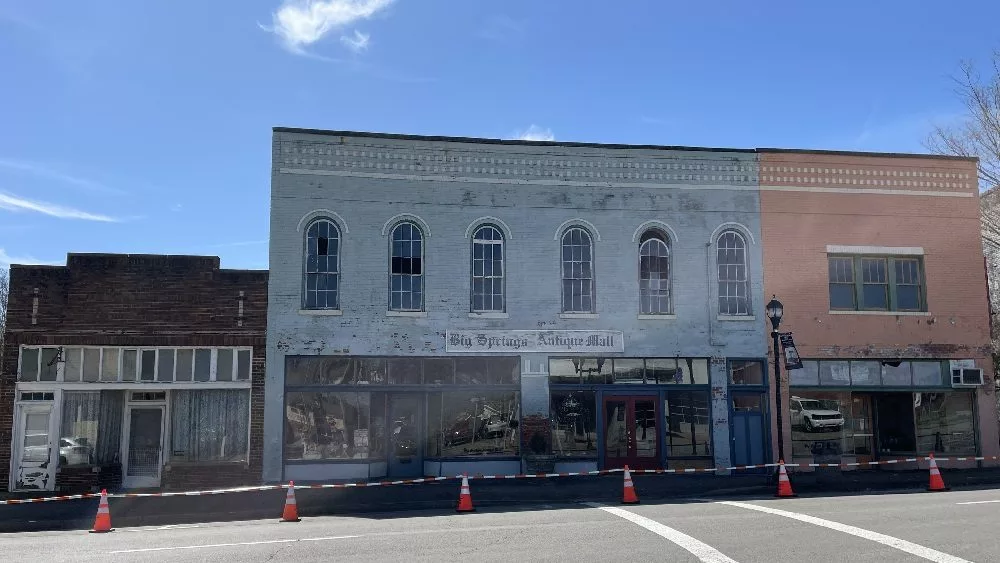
(912, 527)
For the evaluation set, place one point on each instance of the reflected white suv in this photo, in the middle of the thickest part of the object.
(811, 415)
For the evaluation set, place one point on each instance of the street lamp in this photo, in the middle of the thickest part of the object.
(775, 310)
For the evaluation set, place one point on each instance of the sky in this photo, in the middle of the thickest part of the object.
(145, 127)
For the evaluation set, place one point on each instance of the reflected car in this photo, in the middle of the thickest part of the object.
(811, 415)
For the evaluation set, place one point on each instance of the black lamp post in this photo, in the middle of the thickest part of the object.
(774, 312)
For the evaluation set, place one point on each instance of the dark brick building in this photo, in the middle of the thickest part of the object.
(132, 371)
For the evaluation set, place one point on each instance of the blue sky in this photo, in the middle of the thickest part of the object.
(145, 127)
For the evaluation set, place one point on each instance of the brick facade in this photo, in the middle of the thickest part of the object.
(813, 200)
(137, 300)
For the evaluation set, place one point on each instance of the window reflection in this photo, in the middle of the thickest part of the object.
(327, 425)
(688, 423)
(743, 372)
(472, 423)
(574, 417)
(945, 423)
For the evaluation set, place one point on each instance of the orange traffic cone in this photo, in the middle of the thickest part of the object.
(102, 524)
(937, 483)
(628, 495)
(465, 496)
(784, 485)
(291, 511)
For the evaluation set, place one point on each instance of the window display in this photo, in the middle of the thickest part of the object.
(462, 423)
(574, 418)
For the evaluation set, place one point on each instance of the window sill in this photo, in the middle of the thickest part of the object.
(884, 313)
(321, 312)
(737, 318)
(489, 315)
(657, 317)
(406, 313)
(579, 316)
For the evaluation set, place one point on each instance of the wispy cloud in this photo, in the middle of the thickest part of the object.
(8, 259)
(502, 28)
(301, 23)
(536, 133)
(240, 243)
(16, 204)
(358, 42)
(650, 120)
(46, 171)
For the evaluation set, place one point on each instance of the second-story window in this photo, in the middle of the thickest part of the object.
(406, 268)
(577, 271)
(654, 273)
(877, 283)
(734, 275)
(487, 270)
(322, 266)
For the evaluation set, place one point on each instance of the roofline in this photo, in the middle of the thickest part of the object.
(487, 141)
(518, 142)
(867, 153)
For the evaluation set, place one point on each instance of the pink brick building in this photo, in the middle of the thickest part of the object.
(879, 264)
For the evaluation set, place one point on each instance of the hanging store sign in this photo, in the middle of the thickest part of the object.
(573, 341)
(792, 359)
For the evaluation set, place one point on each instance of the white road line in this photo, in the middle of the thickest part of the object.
(979, 502)
(149, 549)
(902, 545)
(701, 550)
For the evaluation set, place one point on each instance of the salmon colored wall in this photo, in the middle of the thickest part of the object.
(811, 200)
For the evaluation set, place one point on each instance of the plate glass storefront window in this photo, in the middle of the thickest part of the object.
(945, 423)
(574, 419)
(472, 424)
(688, 424)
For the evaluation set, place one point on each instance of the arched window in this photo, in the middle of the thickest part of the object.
(577, 271)
(487, 270)
(654, 273)
(734, 275)
(322, 266)
(406, 268)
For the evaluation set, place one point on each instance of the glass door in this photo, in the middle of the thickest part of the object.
(405, 447)
(144, 441)
(34, 454)
(631, 432)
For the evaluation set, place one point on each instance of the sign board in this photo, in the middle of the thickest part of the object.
(792, 359)
(526, 341)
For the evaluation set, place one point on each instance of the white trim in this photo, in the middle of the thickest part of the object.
(884, 313)
(654, 223)
(17, 439)
(880, 191)
(132, 386)
(406, 313)
(736, 318)
(578, 222)
(488, 220)
(645, 317)
(488, 315)
(321, 312)
(579, 316)
(740, 227)
(402, 217)
(890, 250)
(520, 181)
(322, 214)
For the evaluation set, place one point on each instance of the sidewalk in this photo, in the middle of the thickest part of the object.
(381, 501)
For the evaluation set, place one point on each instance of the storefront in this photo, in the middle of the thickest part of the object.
(89, 417)
(857, 411)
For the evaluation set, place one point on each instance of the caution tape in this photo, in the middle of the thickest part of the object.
(365, 484)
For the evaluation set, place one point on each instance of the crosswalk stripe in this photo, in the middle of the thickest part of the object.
(701, 550)
(902, 545)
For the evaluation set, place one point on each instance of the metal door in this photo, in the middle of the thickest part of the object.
(405, 444)
(34, 469)
(631, 432)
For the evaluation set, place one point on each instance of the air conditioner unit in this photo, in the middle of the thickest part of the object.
(966, 377)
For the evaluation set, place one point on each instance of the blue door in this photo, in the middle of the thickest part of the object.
(748, 429)
(405, 446)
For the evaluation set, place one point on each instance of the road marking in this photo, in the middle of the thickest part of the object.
(699, 549)
(902, 545)
(264, 542)
(979, 502)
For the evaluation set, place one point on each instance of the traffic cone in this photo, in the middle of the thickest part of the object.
(465, 496)
(936, 483)
(628, 495)
(102, 524)
(291, 511)
(784, 485)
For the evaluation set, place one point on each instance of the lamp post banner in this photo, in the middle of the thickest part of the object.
(792, 359)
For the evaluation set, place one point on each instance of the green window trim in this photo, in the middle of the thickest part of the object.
(841, 276)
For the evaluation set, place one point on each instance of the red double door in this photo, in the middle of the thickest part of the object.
(631, 432)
